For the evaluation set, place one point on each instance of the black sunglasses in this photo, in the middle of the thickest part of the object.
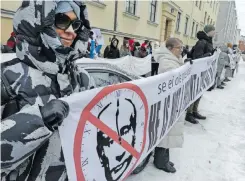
(63, 22)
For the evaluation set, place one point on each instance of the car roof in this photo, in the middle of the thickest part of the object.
(91, 64)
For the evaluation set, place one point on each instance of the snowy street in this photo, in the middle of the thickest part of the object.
(215, 149)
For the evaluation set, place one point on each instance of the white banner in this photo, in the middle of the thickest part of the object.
(134, 65)
(110, 130)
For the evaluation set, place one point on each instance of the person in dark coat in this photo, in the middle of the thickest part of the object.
(204, 45)
(6, 49)
(185, 50)
(43, 71)
(112, 51)
(203, 48)
(11, 43)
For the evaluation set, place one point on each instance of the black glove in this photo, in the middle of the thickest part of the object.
(188, 60)
(214, 50)
(54, 112)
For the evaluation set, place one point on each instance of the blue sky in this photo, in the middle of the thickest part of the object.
(240, 6)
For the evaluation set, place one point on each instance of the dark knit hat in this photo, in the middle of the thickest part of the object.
(209, 28)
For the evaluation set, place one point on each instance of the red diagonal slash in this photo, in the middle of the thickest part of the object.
(113, 135)
(87, 116)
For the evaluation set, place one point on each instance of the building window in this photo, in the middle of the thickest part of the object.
(214, 23)
(186, 25)
(211, 21)
(216, 7)
(200, 5)
(211, 3)
(192, 29)
(196, 3)
(196, 28)
(205, 17)
(208, 20)
(178, 21)
(131, 7)
(153, 6)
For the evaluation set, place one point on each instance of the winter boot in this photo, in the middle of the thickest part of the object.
(161, 160)
(223, 84)
(227, 80)
(190, 118)
(171, 163)
(220, 87)
(198, 116)
(211, 88)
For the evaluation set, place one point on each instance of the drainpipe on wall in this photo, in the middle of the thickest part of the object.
(115, 18)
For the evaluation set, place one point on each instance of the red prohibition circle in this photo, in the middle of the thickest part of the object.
(87, 116)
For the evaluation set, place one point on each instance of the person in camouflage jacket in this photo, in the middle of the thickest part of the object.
(50, 35)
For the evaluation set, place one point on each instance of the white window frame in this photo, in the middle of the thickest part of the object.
(196, 3)
(186, 25)
(178, 22)
(150, 12)
(197, 25)
(192, 28)
(135, 9)
(200, 5)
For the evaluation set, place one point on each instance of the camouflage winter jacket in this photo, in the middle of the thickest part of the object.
(43, 71)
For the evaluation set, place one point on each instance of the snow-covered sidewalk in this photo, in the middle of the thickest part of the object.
(215, 149)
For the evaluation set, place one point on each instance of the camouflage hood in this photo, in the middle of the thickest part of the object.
(38, 44)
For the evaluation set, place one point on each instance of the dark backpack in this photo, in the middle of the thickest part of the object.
(190, 53)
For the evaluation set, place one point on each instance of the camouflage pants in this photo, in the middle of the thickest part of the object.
(194, 106)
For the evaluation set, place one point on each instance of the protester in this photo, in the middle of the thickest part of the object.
(124, 50)
(145, 43)
(169, 58)
(149, 49)
(131, 46)
(154, 64)
(236, 58)
(43, 71)
(229, 45)
(156, 44)
(228, 71)
(185, 50)
(136, 50)
(203, 48)
(11, 43)
(142, 52)
(222, 61)
(91, 46)
(6, 49)
(112, 51)
(99, 40)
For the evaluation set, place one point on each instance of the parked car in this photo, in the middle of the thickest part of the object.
(105, 74)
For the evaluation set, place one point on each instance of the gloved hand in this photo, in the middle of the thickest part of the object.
(214, 50)
(54, 112)
(207, 55)
(188, 60)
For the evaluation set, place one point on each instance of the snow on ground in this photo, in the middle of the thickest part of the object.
(214, 150)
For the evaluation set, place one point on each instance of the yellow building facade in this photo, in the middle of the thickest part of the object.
(183, 19)
(141, 20)
(8, 9)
